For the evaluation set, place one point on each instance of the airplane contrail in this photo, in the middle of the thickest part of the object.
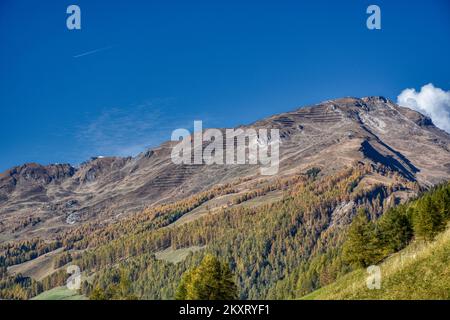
(92, 52)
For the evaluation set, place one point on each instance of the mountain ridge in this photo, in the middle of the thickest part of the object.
(330, 135)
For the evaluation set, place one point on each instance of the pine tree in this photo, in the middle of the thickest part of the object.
(362, 247)
(211, 280)
(395, 230)
(441, 199)
(427, 220)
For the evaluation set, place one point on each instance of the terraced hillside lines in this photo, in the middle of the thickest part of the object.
(285, 121)
(318, 114)
(173, 176)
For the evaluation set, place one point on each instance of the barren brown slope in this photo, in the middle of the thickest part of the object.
(41, 200)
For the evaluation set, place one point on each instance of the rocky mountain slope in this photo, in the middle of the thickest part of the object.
(37, 200)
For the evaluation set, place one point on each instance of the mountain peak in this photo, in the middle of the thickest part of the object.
(330, 136)
(37, 172)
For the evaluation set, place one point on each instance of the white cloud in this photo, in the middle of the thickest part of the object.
(431, 101)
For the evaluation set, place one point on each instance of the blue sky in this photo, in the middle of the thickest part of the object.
(160, 65)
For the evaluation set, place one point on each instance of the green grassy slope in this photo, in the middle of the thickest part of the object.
(420, 271)
(175, 256)
(60, 293)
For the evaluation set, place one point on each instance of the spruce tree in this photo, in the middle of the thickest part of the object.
(441, 199)
(362, 247)
(211, 280)
(395, 230)
(427, 220)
